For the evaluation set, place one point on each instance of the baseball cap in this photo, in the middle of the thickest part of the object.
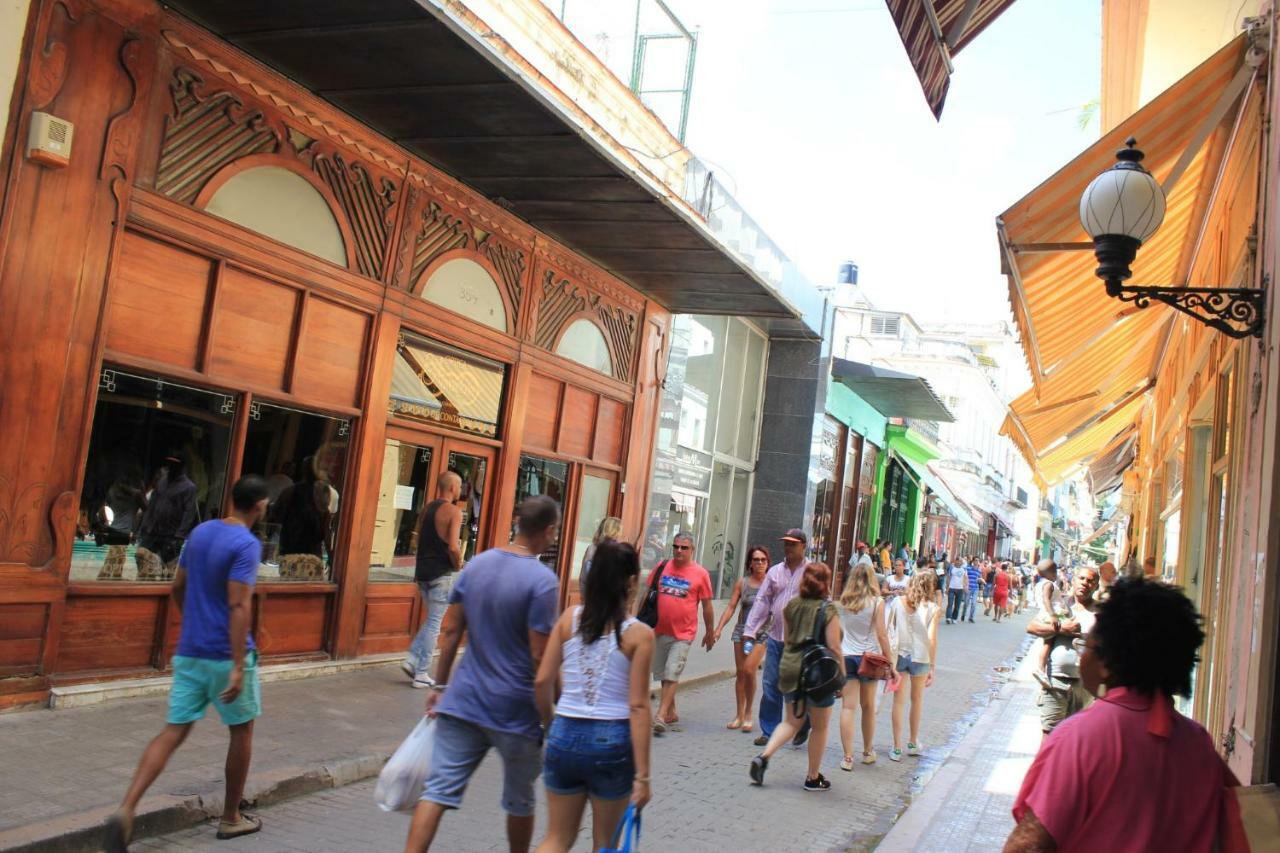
(795, 534)
(861, 545)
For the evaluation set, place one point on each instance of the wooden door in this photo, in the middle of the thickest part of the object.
(594, 499)
(474, 463)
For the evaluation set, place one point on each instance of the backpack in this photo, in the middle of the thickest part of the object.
(819, 669)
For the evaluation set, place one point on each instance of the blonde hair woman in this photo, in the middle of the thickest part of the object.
(610, 528)
(862, 618)
(914, 617)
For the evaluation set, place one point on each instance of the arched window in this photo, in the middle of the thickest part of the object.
(283, 206)
(584, 343)
(462, 285)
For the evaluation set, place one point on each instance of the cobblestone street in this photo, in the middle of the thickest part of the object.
(702, 800)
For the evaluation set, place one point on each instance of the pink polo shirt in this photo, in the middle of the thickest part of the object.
(1123, 775)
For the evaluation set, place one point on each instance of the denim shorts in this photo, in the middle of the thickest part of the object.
(197, 683)
(851, 664)
(590, 757)
(910, 667)
(458, 749)
(792, 698)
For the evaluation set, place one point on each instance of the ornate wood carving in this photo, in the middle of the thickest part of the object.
(124, 128)
(49, 72)
(205, 133)
(368, 203)
(441, 231)
(563, 302)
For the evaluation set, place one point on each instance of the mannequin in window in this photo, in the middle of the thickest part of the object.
(170, 514)
(302, 511)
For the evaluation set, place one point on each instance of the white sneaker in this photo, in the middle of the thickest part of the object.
(895, 755)
(423, 681)
(408, 668)
(915, 749)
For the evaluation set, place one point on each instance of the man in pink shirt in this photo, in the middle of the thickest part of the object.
(781, 584)
(1129, 773)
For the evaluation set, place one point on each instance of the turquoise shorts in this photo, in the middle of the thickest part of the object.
(197, 682)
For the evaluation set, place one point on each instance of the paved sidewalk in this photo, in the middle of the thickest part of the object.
(65, 771)
(702, 799)
(968, 804)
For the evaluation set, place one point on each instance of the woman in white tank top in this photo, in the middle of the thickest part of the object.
(599, 731)
(864, 630)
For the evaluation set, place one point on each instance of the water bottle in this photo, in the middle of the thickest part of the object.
(747, 645)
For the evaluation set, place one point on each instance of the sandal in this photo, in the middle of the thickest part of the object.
(846, 764)
(246, 825)
(868, 757)
(735, 723)
(746, 726)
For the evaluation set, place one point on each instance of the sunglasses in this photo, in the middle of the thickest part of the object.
(682, 547)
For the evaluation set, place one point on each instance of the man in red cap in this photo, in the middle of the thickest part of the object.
(781, 584)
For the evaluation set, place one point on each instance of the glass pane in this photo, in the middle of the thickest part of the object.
(156, 468)
(1222, 417)
(401, 497)
(706, 340)
(303, 457)
(593, 507)
(472, 470)
(684, 515)
(735, 529)
(584, 343)
(752, 389)
(711, 551)
(731, 392)
(1172, 541)
(548, 477)
(434, 383)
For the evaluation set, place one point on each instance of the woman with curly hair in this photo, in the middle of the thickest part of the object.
(1131, 773)
(914, 618)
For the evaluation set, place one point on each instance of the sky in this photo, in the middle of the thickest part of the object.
(811, 114)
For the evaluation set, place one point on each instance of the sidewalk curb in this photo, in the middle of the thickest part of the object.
(81, 833)
(159, 815)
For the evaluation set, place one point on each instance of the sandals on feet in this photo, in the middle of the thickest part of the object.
(246, 825)
(846, 764)
(746, 726)
(735, 723)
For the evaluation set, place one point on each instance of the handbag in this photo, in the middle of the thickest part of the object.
(819, 670)
(648, 613)
(626, 838)
(874, 665)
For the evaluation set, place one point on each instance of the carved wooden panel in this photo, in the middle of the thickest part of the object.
(367, 202)
(564, 300)
(206, 132)
(253, 329)
(436, 230)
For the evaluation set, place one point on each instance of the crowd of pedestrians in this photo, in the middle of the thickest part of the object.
(566, 696)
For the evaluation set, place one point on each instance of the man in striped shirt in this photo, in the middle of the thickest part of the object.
(971, 593)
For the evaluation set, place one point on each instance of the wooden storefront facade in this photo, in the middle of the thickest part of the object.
(231, 276)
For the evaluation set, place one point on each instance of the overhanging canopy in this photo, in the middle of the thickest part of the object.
(933, 31)
(448, 91)
(1094, 359)
(892, 394)
(1107, 471)
(925, 478)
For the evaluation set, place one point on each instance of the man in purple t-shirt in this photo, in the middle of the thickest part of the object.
(781, 584)
(215, 662)
(507, 602)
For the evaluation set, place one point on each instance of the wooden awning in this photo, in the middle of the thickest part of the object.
(933, 31)
(1094, 359)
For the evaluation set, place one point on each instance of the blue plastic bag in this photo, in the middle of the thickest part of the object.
(626, 838)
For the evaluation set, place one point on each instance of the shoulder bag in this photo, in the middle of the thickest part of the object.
(874, 665)
(819, 669)
(648, 613)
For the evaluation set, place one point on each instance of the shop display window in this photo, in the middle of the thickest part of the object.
(303, 457)
(584, 343)
(538, 476)
(405, 490)
(156, 468)
(594, 499)
(446, 387)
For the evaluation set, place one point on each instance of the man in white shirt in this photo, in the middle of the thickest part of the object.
(1061, 692)
(957, 585)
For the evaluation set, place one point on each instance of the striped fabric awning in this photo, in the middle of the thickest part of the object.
(935, 30)
(1093, 360)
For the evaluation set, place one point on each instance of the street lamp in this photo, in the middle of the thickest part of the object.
(1120, 210)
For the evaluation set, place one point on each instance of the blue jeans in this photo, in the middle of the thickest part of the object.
(770, 695)
(435, 601)
(955, 604)
(590, 757)
(972, 600)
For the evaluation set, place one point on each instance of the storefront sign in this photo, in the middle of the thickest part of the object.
(692, 470)
(403, 498)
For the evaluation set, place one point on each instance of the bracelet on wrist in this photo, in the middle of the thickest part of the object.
(644, 780)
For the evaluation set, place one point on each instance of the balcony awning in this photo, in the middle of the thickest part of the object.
(436, 80)
(1094, 359)
(892, 394)
(1107, 471)
(926, 479)
(933, 31)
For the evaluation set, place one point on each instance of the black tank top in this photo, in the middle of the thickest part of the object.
(433, 560)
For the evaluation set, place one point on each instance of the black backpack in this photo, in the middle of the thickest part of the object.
(819, 669)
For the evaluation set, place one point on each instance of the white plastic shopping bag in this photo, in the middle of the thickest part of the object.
(401, 780)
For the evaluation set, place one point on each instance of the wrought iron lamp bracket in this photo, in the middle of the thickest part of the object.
(1237, 312)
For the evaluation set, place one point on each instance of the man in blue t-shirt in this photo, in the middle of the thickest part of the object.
(507, 602)
(974, 579)
(215, 663)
